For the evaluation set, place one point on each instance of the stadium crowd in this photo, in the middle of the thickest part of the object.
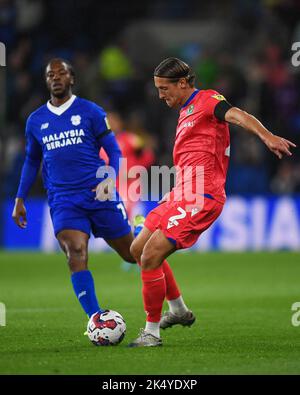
(253, 70)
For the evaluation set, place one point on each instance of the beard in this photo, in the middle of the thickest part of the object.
(60, 94)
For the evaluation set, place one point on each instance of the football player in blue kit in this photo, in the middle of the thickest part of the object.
(66, 134)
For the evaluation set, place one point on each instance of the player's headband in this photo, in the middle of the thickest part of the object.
(186, 75)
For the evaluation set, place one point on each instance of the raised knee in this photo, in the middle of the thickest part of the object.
(76, 249)
(76, 255)
(128, 257)
(149, 261)
(135, 251)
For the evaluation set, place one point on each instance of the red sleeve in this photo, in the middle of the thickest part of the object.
(212, 99)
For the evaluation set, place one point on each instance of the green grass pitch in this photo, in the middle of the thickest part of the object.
(242, 302)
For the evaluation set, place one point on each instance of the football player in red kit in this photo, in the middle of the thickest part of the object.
(201, 141)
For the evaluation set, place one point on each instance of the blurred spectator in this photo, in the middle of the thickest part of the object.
(8, 29)
(256, 76)
(116, 72)
(135, 144)
(207, 71)
(287, 178)
(29, 14)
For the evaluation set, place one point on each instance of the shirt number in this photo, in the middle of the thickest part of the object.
(173, 220)
(121, 207)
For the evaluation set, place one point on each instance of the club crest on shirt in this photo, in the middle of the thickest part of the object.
(44, 125)
(219, 97)
(190, 109)
(75, 119)
(194, 211)
(106, 123)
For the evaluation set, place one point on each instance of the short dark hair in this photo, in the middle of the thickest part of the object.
(70, 67)
(174, 69)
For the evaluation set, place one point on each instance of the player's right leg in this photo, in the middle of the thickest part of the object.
(178, 312)
(75, 245)
(72, 229)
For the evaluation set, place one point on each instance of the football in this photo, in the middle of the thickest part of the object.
(106, 329)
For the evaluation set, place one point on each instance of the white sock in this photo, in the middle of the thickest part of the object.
(153, 328)
(177, 306)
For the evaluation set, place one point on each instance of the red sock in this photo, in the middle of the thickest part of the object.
(172, 291)
(154, 292)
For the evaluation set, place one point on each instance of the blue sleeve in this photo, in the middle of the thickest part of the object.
(113, 151)
(99, 122)
(106, 137)
(31, 164)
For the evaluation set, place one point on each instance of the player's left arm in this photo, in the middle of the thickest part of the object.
(113, 151)
(107, 140)
(278, 145)
(105, 188)
(105, 137)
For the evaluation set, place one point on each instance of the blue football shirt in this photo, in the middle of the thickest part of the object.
(68, 139)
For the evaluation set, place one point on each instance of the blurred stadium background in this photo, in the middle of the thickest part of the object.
(241, 48)
(242, 301)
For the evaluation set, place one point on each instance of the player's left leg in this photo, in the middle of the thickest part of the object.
(122, 246)
(113, 226)
(74, 243)
(130, 248)
(141, 235)
(156, 249)
(191, 227)
(178, 312)
(139, 242)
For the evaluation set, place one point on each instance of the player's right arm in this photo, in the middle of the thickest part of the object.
(29, 173)
(217, 104)
(278, 145)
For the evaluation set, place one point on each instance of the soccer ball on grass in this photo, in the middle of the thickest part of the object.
(106, 329)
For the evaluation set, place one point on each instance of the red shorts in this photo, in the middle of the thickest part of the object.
(183, 227)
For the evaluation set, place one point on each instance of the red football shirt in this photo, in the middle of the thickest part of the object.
(202, 140)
